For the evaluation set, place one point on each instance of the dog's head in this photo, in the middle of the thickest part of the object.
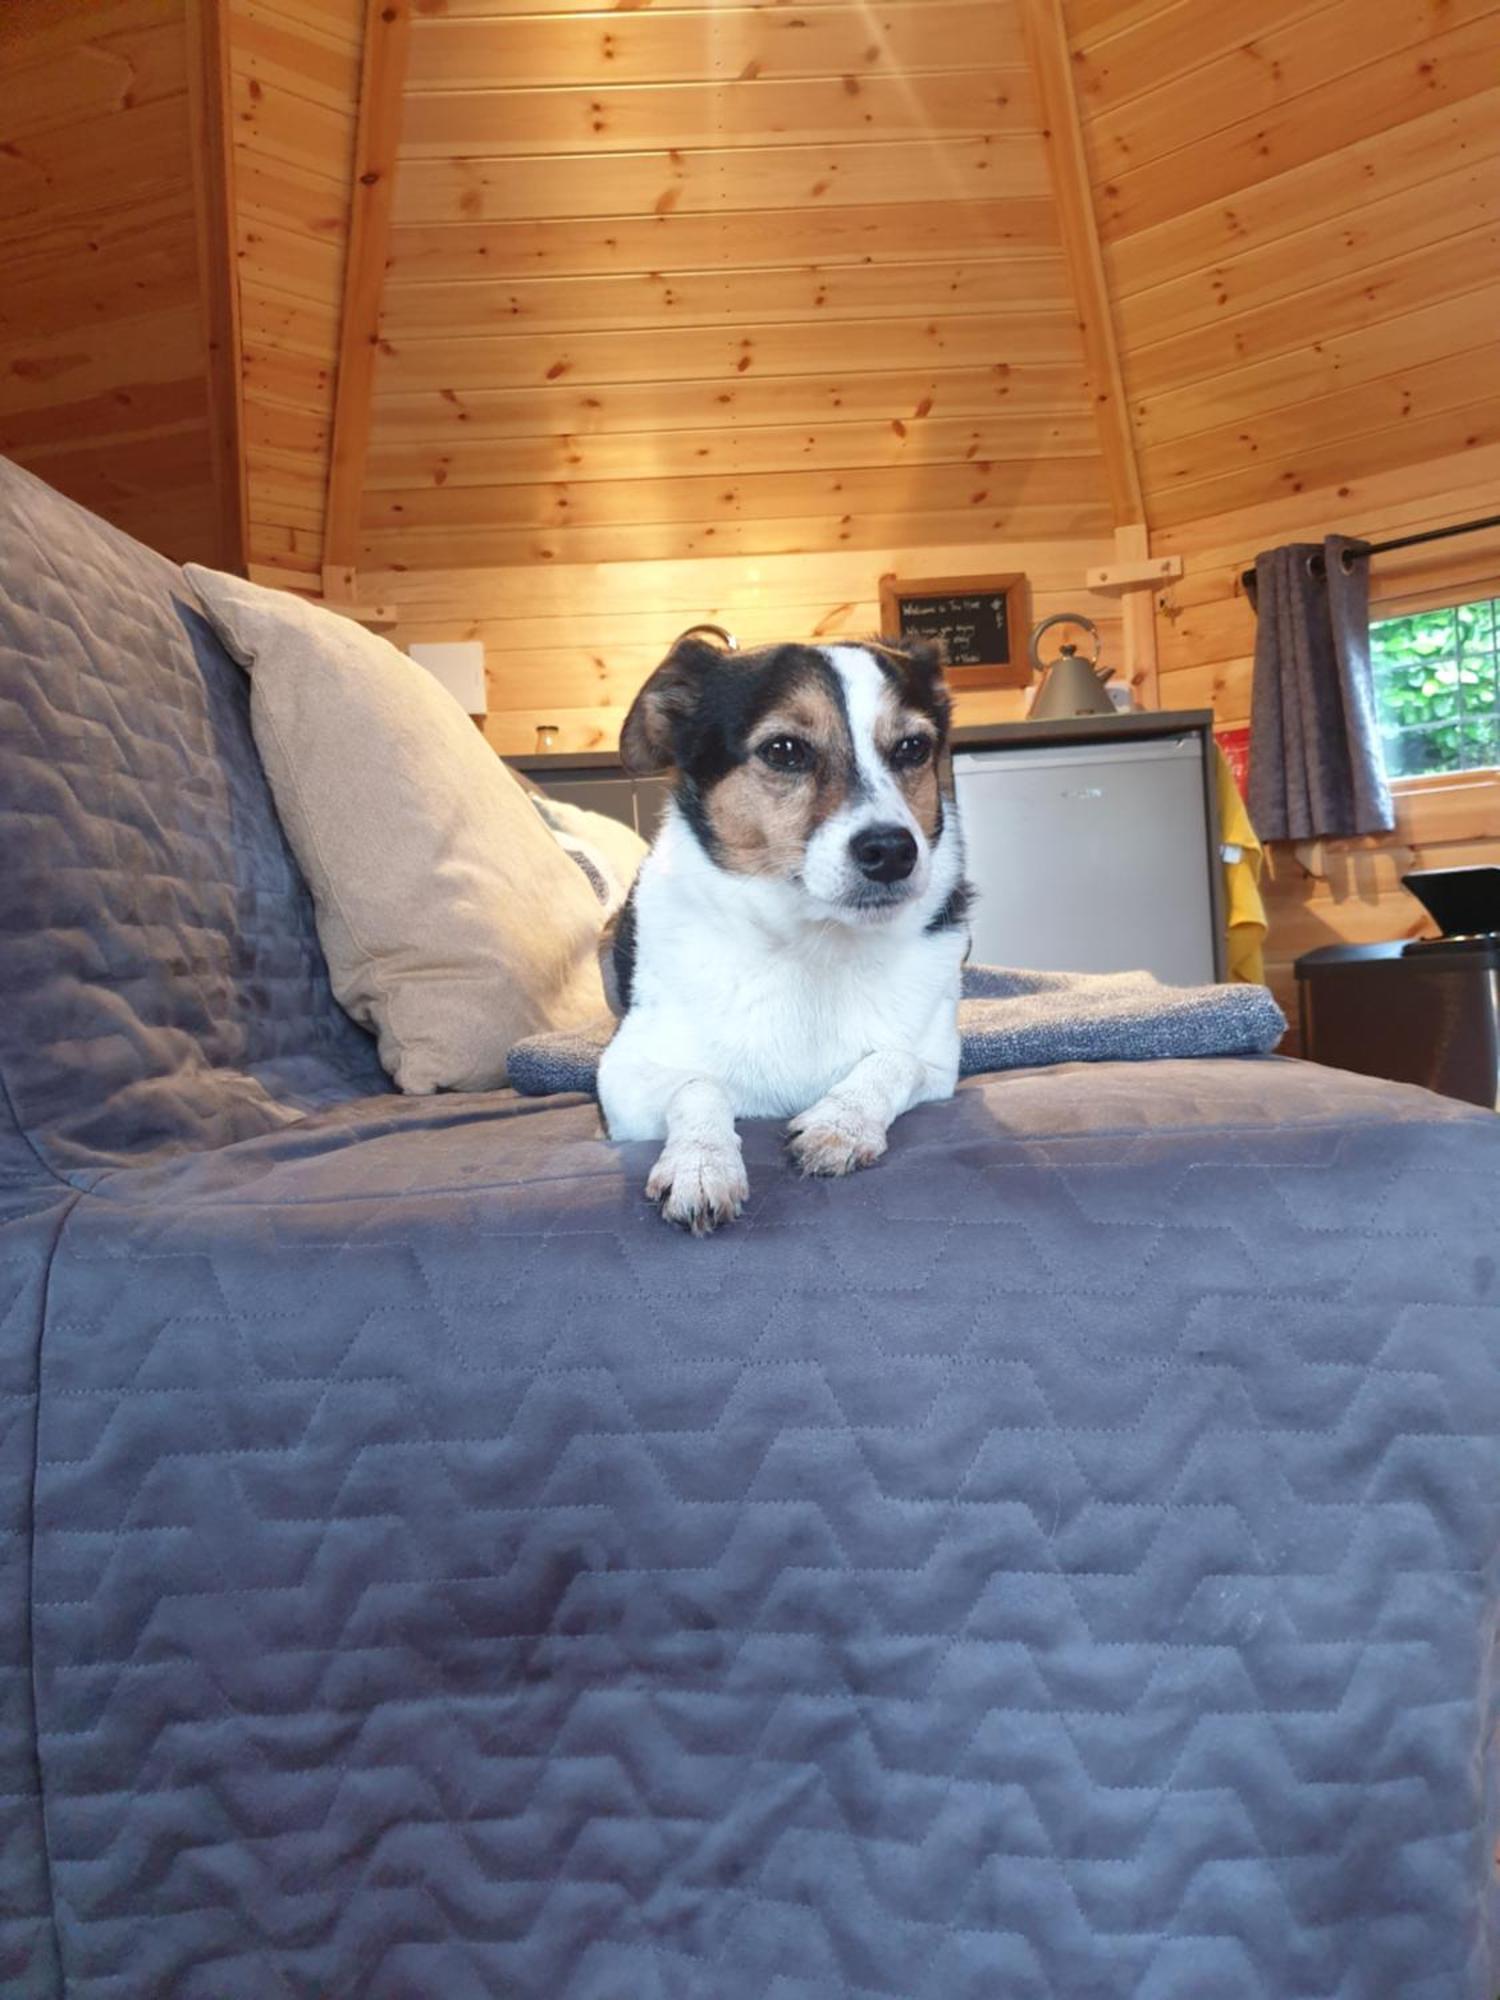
(813, 765)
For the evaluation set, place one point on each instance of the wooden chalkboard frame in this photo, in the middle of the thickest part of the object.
(897, 591)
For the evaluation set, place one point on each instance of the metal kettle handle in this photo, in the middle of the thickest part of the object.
(1064, 618)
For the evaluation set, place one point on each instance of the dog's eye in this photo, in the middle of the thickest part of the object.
(911, 753)
(786, 753)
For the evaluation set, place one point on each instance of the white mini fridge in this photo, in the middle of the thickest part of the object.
(1093, 846)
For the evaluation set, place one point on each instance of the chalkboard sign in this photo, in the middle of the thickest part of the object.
(981, 621)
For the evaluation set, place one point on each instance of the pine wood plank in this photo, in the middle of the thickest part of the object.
(1283, 273)
(399, 469)
(1469, 428)
(1301, 445)
(72, 367)
(606, 616)
(663, 542)
(334, 24)
(106, 475)
(95, 169)
(275, 52)
(124, 410)
(498, 10)
(1159, 42)
(1322, 367)
(764, 178)
(298, 381)
(649, 299)
(118, 68)
(151, 269)
(297, 266)
(513, 732)
(546, 607)
(909, 397)
(596, 118)
(38, 32)
(383, 69)
(277, 427)
(902, 231)
(678, 354)
(1392, 502)
(1358, 104)
(271, 194)
(610, 675)
(279, 124)
(290, 325)
(716, 498)
(1262, 73)
(1044, 33)
(1419, 276)
(1095, 21)
(1328, 190)
(894, 38)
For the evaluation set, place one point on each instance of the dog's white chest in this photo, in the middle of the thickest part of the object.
(781, 1029)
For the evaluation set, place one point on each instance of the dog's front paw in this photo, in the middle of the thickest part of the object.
(699, 1187)
(835, 1138)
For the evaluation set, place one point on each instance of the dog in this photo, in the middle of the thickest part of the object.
(793, 944)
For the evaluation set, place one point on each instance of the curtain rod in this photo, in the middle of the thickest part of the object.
(1247, 576)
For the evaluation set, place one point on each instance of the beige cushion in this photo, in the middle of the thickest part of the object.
(613, 850)
(452, 922)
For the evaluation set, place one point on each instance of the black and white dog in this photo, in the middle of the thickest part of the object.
(793, 943)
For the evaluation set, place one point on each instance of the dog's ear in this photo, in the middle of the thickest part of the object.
(927, 657)
(648, 741)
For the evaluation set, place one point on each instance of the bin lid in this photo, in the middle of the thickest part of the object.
(1440, 954)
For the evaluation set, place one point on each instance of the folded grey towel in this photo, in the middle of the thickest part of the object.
(1013, 1020)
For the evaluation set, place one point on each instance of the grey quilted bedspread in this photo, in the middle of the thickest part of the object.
(1051, 1563)
(1057, 1564)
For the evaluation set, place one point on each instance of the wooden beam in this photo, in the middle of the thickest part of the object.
(1045, 33)
(1131, 575)
(218, 276)
(387, 37)
(1139, 607)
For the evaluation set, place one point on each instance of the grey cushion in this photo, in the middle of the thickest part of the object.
(1012, 1020)
(161, 984)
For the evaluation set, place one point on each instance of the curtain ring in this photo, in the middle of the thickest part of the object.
(1346, 561)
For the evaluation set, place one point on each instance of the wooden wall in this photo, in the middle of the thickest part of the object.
(110, 385)
(669, 282)
(569, 644)
(1341, 890)
(1299, 203)
(295, 89)
(1299, 208)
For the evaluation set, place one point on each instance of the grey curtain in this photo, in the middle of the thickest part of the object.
(1316, 768)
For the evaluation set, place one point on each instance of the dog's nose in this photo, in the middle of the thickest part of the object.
(884, 853)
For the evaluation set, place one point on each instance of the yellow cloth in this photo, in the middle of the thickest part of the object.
(1244, 911)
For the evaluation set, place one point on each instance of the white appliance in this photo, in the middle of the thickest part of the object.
(1096, 855)
(459, 665)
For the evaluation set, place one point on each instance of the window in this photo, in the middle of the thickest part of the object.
(1436, 691)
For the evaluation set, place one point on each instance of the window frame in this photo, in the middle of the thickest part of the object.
(1483, 588)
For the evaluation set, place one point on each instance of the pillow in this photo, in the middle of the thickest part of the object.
(607, 850)
(452, 922)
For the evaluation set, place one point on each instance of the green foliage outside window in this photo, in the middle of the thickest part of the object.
(1436, 688)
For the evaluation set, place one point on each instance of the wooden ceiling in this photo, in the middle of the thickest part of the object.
(685, 280)
(115, 344)
(1299, 204)
(658, 281)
